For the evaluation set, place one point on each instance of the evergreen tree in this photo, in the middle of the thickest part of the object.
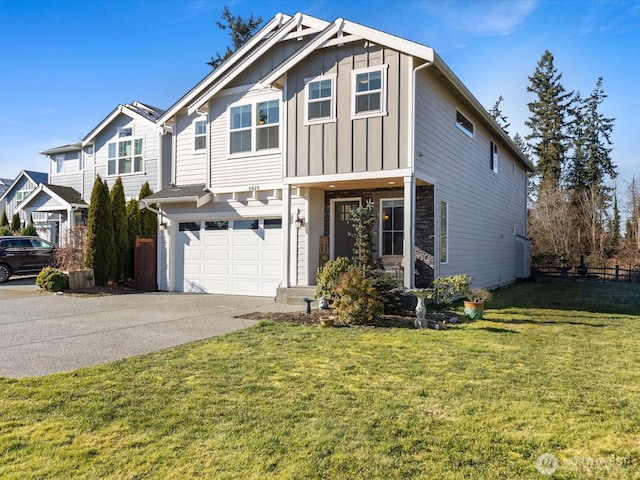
(615, 222)
(100, 244)
(4, 221)
(29, 231)
(498, 116)
(133, 231)
(148, 219)
(548, 139)
(120, 233)
(240, 30)
(362, 218)
(15, 222)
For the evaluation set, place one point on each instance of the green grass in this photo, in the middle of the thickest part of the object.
(553, 368)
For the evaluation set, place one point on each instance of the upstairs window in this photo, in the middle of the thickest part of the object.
(369, 92)
(320, 100)
(493, 157)
(124, 157)
(464, 124)
(249, 133)
(200, 135)
(22, 194)
(240, 139)
(268, 121)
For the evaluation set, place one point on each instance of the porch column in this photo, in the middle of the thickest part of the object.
(286, 236)
(409, 231)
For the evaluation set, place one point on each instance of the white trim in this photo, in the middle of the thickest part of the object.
(133, 156)
(332, 99)
(332, 216)
(201, 118)
(254, 127)
(383, 92)
(339, 177)
(494, 157)
(470, 134)
(277, 21)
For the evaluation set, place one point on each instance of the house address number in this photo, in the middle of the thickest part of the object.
(253, 188)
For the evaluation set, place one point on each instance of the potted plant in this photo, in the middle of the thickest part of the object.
(474, 304)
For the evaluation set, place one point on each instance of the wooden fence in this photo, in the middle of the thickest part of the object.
(586, 273)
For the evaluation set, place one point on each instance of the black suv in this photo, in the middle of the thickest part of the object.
(23, 255)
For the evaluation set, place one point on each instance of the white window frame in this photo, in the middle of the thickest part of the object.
(254, 127)
(383, 92)
(133, 156)
(197, 135)
(493, 159)
(59, 161)
(444, 232)
(469, 133)
(22, 194)
(332, 99)
(393, 230)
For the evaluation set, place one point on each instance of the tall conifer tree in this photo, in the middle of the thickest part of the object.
(120, 233)
(148, 219)
(100, 245)
(548, 138)
(133, 231)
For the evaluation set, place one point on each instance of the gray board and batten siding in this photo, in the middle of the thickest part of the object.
(344, 146)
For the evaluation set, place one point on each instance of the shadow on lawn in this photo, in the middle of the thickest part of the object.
(607, 298)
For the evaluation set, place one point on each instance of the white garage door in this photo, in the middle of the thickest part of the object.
(240, 257)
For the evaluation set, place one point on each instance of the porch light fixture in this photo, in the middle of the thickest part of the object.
(163, 226)
(299, 220)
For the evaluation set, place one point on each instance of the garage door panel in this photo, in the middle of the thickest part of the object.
(243, 262)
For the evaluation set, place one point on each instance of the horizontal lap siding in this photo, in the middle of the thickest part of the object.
(346, 145)
(190, 166)
(483, 205)
(239, 172)
(72, 180)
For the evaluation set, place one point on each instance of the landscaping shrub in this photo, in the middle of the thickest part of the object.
(387, 288)
(6, 231)
(330, 275)
(29, 231)
(447, 289)
(52, 279)
(357, 301)
(15, 222)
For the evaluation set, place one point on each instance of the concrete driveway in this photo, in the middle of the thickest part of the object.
(43, 333)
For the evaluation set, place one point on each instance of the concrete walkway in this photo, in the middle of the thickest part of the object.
(43, 333)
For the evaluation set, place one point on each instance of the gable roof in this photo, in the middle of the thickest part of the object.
(65, 196)
(35, 177)
(135, 110)
(280, 27)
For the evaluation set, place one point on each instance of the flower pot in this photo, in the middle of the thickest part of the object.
(474, 310)
(327, 321)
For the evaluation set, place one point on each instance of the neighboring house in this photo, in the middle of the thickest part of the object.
(308, 120)
(5, 183)
(126, 144)
(18, 192)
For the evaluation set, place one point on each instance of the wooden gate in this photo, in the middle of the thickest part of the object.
(145, 267)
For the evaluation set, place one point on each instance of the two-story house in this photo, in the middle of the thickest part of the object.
(126, 144)
(16, 194)
(309, 119)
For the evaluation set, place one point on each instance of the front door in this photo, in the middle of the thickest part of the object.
(343, 243)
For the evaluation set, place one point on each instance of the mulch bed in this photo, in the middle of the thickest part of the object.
(398, 320)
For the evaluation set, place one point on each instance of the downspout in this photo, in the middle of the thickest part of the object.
(410, 200)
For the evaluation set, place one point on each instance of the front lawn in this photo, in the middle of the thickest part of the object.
(553, 369)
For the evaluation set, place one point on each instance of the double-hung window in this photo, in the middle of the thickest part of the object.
(369, 92)
(254, 126)
(392, 223)
(240, 127)
(200, 134)
(320, 105)
(267, 124)
(125, 155)
(22, 194)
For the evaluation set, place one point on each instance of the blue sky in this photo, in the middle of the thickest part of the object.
(66, 64)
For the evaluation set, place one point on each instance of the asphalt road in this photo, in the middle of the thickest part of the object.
(43, 333)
